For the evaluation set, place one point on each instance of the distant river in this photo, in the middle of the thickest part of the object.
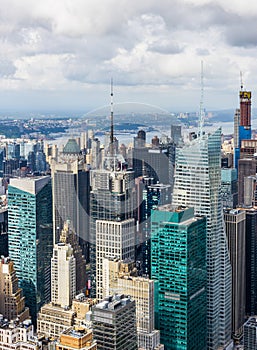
(227, 128)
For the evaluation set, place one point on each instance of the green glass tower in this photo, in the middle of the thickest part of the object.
(178, 255)
(31, 237)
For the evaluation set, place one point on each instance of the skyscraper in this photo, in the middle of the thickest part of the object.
(250, 334)
(251, 261)
(242, 121)
(68, 236)
(31, 237)
(235, 231)
(12, 302)
(63, 275)
(198, 185)
(122, 276)
(112, 199)
(246, 167)
(71, 194)
(114, 240)
(179, 269)
(114, 323)
(229, 187)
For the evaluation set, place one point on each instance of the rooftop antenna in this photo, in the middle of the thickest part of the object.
(111, 135)
(201, 112)
(241, 79)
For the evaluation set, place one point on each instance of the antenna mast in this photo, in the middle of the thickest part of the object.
(111, 135)
(201, 112)
(241, 79)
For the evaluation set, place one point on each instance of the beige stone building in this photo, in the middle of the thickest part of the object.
(12, 302)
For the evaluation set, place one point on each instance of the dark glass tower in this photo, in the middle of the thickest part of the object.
(71, 195)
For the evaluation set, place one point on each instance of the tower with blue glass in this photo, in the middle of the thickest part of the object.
(31, 237)
(242, 123)
(178, 256)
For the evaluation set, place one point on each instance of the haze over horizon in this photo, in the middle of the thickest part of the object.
(62, 55)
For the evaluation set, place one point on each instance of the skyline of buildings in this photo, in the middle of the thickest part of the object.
(162, 243)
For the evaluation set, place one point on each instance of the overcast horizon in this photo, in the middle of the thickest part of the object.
(61, 55)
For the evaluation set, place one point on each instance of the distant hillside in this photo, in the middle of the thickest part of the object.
(228, 115)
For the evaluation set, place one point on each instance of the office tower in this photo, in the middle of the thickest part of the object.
(178, 253)
(53, 320)
(4, 229)
(251, 261)
(63, 275)
(114, 323)
(229, 187)
(242, 123)
(235, 231)
(250, 334)
(70, 178)
(246, 167)
(12, 302)
(68, 236)
(31, 237)
(114, 240)
(112, 198)
(248, 148)
(139, 140)
(122, 276)
(153, 196)
(76, 338)
(198, 185)
(175, 134)
(18, 336)
(156, 161)
(250, 191)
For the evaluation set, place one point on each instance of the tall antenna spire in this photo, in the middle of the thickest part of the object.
(111, 135)
(201, 112)
(241, 80)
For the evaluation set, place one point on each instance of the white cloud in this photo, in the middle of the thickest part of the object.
(156, 46)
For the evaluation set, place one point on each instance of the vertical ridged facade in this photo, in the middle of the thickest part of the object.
(198, 185)
(31, 237)
(179, 269)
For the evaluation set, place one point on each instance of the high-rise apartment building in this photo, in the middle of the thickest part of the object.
(198, 185)
(63, 275)
(114, 323)
(242, 123)
(12, 302)
(31, 237)
(235, 231)
(179, 269)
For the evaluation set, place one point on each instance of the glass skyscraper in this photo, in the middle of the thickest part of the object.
(179, 269)
(31, 237)
(198, 185)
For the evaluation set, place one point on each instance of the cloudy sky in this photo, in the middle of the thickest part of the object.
(61, 54)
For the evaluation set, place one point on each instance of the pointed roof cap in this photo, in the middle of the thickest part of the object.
(71, 147)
